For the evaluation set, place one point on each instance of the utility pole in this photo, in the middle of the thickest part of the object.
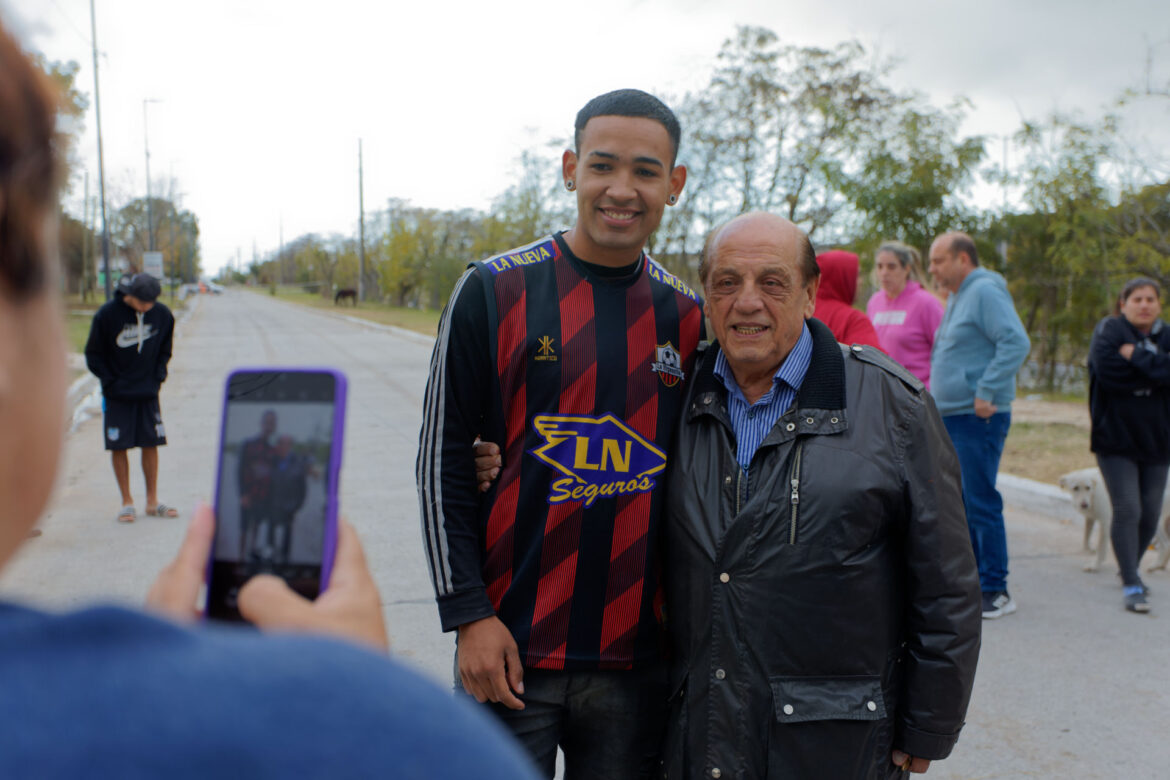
(85, 290)
(149, 203)
(97, 105)
(361, 229)
(174, 251)
(280, 253)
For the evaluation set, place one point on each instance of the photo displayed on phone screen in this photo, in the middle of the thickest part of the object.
(273, 483)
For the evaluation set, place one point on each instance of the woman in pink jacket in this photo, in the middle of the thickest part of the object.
(903, 313)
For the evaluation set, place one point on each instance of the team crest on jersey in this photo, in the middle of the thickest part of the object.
(668, 364)
(600, 457)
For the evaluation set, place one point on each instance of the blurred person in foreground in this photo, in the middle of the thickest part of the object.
(1129, 405)
(838, 289)
(904, 314)
(822, 597)
(980, 345)
(110, 692)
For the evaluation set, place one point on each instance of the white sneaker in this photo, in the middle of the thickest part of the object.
(997, 603)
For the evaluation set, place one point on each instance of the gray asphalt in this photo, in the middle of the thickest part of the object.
(1069, 686)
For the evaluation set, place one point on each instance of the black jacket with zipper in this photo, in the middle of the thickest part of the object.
(834, 613)
(1129, 400)
(128, 352)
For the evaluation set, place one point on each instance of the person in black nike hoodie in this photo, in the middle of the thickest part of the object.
(128, 350)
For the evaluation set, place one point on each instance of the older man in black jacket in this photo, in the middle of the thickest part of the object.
(822, 595)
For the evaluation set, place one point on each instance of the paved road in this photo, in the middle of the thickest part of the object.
(1070, 686)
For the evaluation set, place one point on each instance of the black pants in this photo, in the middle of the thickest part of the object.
(609, 724)
(1135, 490)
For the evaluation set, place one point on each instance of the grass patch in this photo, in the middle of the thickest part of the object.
(1054, 395)
(423, 321)
(1044, 451)
(77, 330)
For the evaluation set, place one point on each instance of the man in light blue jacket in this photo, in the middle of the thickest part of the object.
(980, 346)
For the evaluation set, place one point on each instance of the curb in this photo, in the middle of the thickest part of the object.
(409, 335)
(1035, 496)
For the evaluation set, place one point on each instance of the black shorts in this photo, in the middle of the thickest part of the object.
(129, 424)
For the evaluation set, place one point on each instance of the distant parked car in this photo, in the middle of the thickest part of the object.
(212, 287)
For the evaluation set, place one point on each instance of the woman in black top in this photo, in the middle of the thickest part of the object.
(1129, 402)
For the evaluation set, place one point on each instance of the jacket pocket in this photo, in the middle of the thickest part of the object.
(800, 699)
(829, 726)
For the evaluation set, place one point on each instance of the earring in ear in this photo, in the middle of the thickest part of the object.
(569, 185)
(673, 199)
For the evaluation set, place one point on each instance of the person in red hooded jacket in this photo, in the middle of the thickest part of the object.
(835, 299)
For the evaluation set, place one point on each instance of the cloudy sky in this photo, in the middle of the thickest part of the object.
(262, 102)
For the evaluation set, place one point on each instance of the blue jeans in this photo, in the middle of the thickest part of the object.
(610, 724)
(979, 444)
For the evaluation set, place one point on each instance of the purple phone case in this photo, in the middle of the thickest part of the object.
(329, 547)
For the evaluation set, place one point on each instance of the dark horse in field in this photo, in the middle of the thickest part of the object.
(342, 294)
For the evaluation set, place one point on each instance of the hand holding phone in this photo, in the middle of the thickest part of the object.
(351, 608)
(276, 491)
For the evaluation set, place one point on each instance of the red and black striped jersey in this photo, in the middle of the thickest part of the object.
(579, 376)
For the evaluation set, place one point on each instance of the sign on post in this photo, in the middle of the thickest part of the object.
(152, 263)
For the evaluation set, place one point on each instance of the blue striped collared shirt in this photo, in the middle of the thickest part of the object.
(752, 422)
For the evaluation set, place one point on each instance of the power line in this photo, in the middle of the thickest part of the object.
(68, 20)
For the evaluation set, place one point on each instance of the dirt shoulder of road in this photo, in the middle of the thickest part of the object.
(1047, 439)
(424, 321)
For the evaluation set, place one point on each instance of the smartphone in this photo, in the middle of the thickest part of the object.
(277, 482)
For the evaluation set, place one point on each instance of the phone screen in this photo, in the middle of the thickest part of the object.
(276, 472)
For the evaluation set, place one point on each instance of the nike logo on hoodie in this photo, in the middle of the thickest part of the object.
(134, 335)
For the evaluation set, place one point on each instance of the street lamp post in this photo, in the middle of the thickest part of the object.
(97, 105)
(149, 205)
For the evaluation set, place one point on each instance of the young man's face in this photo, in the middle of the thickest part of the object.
(624, 179)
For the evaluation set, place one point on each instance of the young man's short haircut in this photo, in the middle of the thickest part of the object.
(632, 103)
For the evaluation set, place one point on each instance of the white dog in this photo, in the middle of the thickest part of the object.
(1091, 499)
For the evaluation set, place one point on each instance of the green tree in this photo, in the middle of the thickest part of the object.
(1060, 254)
(176, 235)
(72, 105)
(779, 128)
(914, 169)
(1140, 226)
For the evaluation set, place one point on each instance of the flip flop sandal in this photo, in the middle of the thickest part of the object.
(162, 510)
(127, 515)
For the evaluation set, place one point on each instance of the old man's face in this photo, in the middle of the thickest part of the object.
(757, 298)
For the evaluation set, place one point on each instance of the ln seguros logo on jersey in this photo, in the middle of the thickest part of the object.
(599, 457)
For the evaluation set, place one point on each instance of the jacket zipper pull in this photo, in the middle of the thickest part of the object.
(794, 497)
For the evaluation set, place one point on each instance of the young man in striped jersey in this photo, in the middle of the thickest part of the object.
(571, 352)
